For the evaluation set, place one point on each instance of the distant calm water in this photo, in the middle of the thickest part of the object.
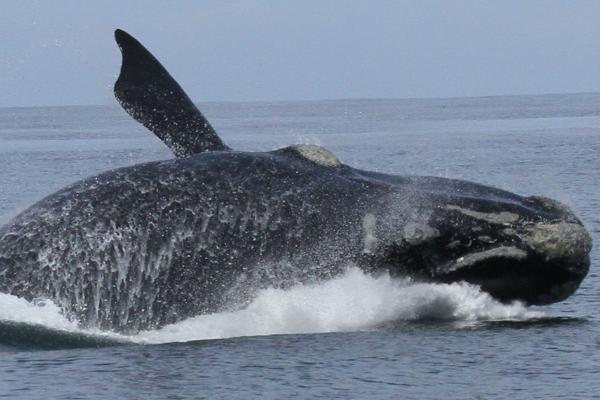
(356, 336)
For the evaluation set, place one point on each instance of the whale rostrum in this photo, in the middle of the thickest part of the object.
(151, 244)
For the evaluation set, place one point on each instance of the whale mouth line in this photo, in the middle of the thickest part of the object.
(472, 260)
(510, 274)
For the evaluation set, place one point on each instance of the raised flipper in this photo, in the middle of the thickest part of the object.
(151, 96)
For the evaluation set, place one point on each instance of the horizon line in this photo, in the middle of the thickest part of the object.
(115, 104)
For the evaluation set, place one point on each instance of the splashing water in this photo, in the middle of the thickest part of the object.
(44, 313)
(354, 301)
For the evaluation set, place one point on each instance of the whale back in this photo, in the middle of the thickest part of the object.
(151, 96)
(174, 239)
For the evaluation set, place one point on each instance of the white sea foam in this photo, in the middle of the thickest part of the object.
(40, 312)
(352, 302)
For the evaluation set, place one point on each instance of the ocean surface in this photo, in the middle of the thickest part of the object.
(355, 336)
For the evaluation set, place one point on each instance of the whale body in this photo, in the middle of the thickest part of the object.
(151, 244)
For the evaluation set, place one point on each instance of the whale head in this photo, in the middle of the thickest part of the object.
(531, 249)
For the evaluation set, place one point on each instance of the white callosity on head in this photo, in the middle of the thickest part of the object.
(558, 240)
(500, 218)
(414, 233)
(316, 154)
(497, 252)
(368, 225)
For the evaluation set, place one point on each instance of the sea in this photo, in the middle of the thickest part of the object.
(355, 336)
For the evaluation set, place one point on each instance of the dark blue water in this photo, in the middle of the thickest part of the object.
(356, 337)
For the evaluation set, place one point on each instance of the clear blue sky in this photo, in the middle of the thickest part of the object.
(63, 52)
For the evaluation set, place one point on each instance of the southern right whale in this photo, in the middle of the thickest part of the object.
(147, 245)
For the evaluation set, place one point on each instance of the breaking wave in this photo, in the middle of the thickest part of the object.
(352, 302)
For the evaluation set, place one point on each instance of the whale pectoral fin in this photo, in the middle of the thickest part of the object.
(150, 95)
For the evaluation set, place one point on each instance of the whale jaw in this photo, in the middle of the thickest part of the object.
(546, 266)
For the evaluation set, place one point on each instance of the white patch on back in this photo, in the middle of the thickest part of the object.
(316, 154)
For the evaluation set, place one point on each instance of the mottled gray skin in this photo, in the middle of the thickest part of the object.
(150, 244)
(144, 246)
